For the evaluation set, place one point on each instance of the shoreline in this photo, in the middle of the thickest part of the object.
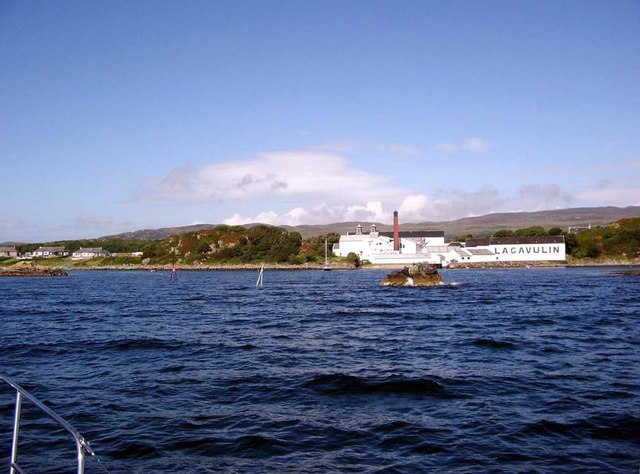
(225, 268)
(204, 268)
(582, 263)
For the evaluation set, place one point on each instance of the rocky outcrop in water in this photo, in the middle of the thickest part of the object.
(422, 274)
(627, 272)
(30, 270)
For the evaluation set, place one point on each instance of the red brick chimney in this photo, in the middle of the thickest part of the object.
(396, 232)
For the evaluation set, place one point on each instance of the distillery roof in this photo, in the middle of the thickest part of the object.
(551, 239)
(417, 234)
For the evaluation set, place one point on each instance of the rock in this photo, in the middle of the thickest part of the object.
(28, 269)
(627, 272)
(422, 274)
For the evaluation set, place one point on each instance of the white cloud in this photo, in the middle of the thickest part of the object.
(317, 187)
(269, 217)
(316, 214)
(370, 211)
(304, 174)
(413, 204)
(621, 197)
(413, 208)
(471, 145)
(446, 204)
(475, 145)
(537, 197)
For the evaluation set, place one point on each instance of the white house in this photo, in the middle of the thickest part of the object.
(92, 252)
(49, 252)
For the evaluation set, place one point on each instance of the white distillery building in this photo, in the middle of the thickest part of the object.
(394, 248)
(378, 247)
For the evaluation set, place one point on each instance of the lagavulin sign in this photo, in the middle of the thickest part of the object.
(528, 252)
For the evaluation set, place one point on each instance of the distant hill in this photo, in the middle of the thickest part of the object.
(164, 232)
(477, 226)
(159, 234)
(563, 218)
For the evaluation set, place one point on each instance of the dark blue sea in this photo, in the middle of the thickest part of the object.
(514, 370)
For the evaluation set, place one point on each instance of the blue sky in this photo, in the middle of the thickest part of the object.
(118, 116)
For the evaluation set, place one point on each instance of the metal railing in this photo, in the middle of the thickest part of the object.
(82, 446)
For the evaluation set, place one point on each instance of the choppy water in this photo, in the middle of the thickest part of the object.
(533, 370)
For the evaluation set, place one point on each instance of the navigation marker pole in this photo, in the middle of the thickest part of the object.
(260, 277)
(174, 270)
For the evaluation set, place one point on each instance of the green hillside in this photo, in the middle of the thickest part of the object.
(238, 245)
(618, 240)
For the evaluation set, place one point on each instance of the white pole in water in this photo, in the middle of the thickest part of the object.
(260, 277)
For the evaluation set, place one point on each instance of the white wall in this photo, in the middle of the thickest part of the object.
(405, 259)
(408, 246)
(529, 252)
(351, 243)
(555, 252)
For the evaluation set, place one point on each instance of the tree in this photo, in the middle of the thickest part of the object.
(202, 247)
(533, 231)
(149, 250)
(570, 242)
(353, 259)
(313, 248)
(555, 231)
(503, 233)
(588, 249)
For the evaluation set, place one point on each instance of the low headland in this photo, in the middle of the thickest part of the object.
(28, 269)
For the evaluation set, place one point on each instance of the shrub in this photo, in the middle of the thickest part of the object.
(353, 259)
